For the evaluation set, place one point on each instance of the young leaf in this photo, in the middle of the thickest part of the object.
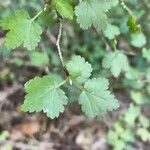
(116, 62)
(22, 30)
(92, 13)
(79, 69)
(127, 136)
(112, 137)
(119, 128)
(113, 2)
(146, 53)
(132, 113)
(111, 31)
(138, 39)
(144, 121)
(119, 145)
(144, 134)
(133, 26)
(96, 97)
(44, 94)
(137, 97)
(64, 8)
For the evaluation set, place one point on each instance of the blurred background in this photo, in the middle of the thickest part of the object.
(128, 128)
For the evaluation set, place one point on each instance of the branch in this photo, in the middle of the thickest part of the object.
(126, 7)
(58, 43)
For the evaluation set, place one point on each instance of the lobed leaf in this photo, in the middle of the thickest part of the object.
(143, 133)
(111, 31)
(138, 40)
(79, 69)
(22, 30)
(96, 97)
(116, 62)
(146, 53)
(64, 8)
(44, 94)
(131, 115)
(92, 13)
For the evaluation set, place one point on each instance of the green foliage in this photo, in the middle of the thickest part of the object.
(144, 121)
(132, 24)
(64, 8)
(127, 136)
(45, 19)
(4, 135)
(123, 37)
(93, 14)
(44, 94)
(79, 69)
(89, 89)
(138, 39)
(116, 62)
(146, 53)
(96, 98)
(111, 31)
(22, 30)
(143, 133)
(126, 129)
(39, 58)
(137, 97)
(131, 115)
(113, 2)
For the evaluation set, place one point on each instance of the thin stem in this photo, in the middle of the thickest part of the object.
(78, 86)
(62, 83)
(58, 44)
(126, 7)
(114, 44)
(39, 13)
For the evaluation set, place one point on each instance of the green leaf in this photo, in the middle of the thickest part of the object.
(111, 31)
(137, 97)
(127, 136)
(132, 74)
(96, 97)
(146, 53)
(64, 8)
(118, 128)
(44, 94)
(138, 40)
(92, 12)
(132, 113)
(22, 30)
(46, 19)
(119, 145)
(113, 2)
(144, 121)
(39, 58)
(133, 26)
(148, 89)
(143, 133)
(4, 135)
(79, 69)
(116, 62)
(112, 137)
